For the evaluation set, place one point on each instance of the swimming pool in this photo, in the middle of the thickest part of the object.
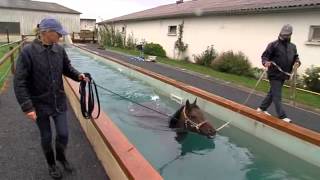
(233, 154)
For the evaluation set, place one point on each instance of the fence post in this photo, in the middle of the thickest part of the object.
(8, 39)
(12, 61)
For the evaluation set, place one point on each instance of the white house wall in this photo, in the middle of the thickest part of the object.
(29, 19)
(247, 33)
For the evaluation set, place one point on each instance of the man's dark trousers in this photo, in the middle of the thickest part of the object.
(60, 121)
(274, 95)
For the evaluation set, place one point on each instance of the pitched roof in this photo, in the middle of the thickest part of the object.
(36, 6)
(205, 7)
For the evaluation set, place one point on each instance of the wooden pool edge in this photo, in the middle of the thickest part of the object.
(289, 128)
(120, 159)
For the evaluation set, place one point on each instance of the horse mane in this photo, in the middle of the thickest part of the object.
(176, 116)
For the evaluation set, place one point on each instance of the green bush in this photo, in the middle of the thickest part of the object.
(257, 72)
(312, 78)
(107, 34)
(154, 49)
(131, 42)
(119, 40)
(206, 58)
(233, 63)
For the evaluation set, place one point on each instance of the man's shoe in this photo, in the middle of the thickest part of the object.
(67, 166)
(55, 172)
(286, 120)
(266, 112)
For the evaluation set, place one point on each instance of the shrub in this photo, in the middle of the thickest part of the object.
(107, 35)
(131, 42)
(206, 57)
(234, 63)
(312, 78)
(179, 44)
(154, 49)
(119, 40)
(257, 72)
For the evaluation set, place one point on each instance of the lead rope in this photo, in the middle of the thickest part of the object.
(88, 103)
(293, 85)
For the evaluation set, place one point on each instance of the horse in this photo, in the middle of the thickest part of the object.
(190, 118)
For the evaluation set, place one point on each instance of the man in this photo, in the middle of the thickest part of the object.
(279, 55)
(39, 89)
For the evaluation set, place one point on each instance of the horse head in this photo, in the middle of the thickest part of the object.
(191, 118)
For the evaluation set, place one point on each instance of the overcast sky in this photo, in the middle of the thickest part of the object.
(106, 9)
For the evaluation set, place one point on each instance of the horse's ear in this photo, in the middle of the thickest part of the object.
(195, 102)
(187, 104)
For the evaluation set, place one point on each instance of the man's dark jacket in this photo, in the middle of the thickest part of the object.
(284, 54)
(38, 83)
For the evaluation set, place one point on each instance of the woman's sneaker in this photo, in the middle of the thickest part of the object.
(260, 110)
(286, 120)
(55, 172)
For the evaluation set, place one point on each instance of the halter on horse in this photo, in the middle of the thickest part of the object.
(190, 117)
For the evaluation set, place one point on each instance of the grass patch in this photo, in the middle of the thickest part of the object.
(301, 97)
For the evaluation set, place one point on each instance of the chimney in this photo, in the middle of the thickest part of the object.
(179, 2)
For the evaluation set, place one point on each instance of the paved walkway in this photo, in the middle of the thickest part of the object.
(302, 117)
(20, 151)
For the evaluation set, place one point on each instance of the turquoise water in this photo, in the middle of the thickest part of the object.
(231, 155)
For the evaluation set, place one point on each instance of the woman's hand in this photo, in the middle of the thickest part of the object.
(32, 116)
(83, 77)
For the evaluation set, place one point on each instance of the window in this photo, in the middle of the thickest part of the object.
(172, 30)
(123, 30)
(314, 34)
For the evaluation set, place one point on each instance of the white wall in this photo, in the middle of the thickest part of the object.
(87, 24)
(29, 19)
(247, 33)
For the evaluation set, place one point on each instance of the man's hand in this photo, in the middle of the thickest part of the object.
(32, 116)
(83, 77)
(297, 64)
(267, 64)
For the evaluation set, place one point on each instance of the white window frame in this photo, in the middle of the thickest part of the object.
(172, 33)
(311, 40)
(311, 34)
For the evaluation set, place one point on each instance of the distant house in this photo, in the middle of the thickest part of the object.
(88, 24)
(242, 25)
(21, 17)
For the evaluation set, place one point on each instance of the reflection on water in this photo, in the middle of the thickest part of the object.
(231, 155)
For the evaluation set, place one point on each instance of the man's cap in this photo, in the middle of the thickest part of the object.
(286, 30)
(52, 24)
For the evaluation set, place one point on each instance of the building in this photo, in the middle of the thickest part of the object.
(243, 25)
(21, 17)
(88, 24)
